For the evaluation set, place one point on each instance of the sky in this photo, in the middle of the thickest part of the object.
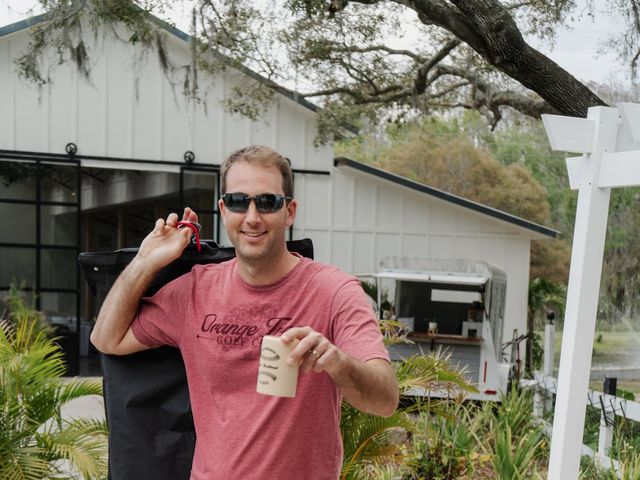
(576, 49)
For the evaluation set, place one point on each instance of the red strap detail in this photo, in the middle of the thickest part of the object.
(194, 229)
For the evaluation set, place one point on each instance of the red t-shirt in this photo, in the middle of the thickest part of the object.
(218, 321)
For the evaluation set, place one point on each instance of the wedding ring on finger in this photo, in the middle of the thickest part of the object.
(314, 353)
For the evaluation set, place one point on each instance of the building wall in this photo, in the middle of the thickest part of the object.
(131, 110)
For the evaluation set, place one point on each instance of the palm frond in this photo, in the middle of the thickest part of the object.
(430, 372)
(369, 439)
(35, 441)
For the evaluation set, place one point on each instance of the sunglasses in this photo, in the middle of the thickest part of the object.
(265, 202)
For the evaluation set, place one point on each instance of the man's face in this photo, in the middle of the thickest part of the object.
(257, 237)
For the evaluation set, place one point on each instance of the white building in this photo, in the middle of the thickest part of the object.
(131, 130)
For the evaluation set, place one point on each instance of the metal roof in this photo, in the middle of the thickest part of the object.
(448, 197)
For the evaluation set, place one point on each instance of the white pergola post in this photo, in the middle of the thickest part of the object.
(593, 174)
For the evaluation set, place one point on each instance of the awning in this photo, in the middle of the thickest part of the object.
(449, 278)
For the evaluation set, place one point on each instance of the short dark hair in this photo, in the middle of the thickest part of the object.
(259, 155)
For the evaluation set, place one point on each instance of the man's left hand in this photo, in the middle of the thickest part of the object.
(313, 351)
(368, 386)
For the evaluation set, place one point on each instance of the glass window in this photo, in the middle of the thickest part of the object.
(58, 268)
(23, 220)
(200, 194)
(17, 180)
(59, 183)
(58, 225)
(59, 309)
(19, 265)
(140, 220)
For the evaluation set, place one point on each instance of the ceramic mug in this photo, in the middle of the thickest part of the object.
(275, 376)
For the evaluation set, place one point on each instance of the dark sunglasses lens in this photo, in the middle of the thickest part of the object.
(236, 202)
(268, 203)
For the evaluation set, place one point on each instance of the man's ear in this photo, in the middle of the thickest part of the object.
(223, 212)
(292, 207)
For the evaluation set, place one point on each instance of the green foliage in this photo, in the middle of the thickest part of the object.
(13, 172)
(72, 30)
(513, 458)
(515, 443)
(443, 155)
(431, 372)
(445, 445)
(544, 296)
(18, 310)
(369, 439)
(35, 441)
(629, 467)
(627, 395)
(537, 351)
(378, 444)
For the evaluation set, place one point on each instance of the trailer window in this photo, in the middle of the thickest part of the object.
(454, 296)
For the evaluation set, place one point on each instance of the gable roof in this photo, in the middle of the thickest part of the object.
(290, 94)
(447, 197)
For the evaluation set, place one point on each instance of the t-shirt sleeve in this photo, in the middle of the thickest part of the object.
(356, 331)
(160, 318)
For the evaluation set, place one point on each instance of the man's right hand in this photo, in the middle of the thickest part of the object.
(166, 242)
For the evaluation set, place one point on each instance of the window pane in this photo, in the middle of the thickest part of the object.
(18, 264)
(58, 225)
(23, 223)
(58, 268)
(59, 183)
(200, 195)
(102, 231)
(59, 309)
(139, 222)
(17, 180)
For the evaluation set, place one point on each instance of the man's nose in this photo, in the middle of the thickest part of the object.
(252, 212)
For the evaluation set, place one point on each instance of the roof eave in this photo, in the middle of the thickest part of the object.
(541, 231)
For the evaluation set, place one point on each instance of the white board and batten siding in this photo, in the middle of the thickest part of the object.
(129, 110)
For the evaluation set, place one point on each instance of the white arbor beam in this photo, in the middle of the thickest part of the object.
(616, 170)
(569, 134)
(630, 118)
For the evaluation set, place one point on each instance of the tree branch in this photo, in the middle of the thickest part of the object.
(377, 48)
(420, 83)
(493, 98)
(488, 27)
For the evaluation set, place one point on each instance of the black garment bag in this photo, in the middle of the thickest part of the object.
(151, 432)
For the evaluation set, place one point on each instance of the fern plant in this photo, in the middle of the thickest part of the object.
(36, 442)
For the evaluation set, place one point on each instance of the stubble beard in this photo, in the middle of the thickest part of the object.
(265, 258)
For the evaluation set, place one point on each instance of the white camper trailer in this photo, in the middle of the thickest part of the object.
(448, 304)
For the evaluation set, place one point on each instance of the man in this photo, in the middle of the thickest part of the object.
(217, 315)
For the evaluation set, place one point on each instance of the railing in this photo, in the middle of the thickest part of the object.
(610, 406)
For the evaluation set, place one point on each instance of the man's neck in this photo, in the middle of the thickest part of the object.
(257, 273)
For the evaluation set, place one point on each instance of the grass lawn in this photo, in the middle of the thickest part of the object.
(612, 349)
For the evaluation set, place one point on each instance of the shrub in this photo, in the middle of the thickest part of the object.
(36, 443)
